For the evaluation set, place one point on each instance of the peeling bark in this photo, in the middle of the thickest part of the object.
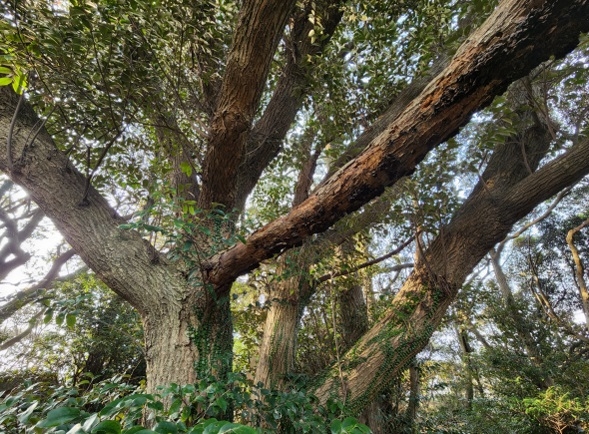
(524, 32)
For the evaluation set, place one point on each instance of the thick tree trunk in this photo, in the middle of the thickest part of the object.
(170, 307)
(184, 343)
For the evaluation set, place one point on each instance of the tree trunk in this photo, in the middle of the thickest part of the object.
(414, 398)
(579, 270)
(187, 342)
(171, 308)
(465, 350)
(506, 193)
(278, 348)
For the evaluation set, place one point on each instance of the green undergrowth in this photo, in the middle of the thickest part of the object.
(116, 407)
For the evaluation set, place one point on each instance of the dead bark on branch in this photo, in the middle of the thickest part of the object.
(524, 32)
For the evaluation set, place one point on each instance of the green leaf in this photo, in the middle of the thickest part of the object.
(59, 319)
(5, 81)
(336, 427)
(236, 428)
(70, 320)
(48, 316)
(107, 427)
(24, 416)
(186, 168)
(59, 416)
(165, 427)
(90, 422)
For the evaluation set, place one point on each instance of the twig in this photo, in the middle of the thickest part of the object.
(365, 264)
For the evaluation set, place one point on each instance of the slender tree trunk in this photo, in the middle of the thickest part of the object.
(414, 398)
(465, 351)
(278, 348)
(580, 270)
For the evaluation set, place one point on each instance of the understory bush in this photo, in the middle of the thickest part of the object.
(116, 407)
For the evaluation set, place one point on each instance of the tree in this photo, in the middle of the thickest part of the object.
(182, 293)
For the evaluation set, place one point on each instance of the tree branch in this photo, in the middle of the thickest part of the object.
(19, 337)
(265, 140)
(26, 296)
(128, 264)
(522, 31)
(483, 220)
(369, 263)
(258, 32)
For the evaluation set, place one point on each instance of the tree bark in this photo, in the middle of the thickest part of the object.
(524, 32)
(506, 194)
(259, 27)
(278, 348)
(129, 265)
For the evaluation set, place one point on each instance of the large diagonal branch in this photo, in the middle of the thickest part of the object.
(122, 259)
(517, 37)
(259, 27)
(484, 220)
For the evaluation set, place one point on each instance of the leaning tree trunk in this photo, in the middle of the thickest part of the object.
(506, 193)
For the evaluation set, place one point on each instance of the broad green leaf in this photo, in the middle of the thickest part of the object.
(59, 416)
(107, 427)
(90, 422)
(70, 320)
(24, 416)
(165, 427)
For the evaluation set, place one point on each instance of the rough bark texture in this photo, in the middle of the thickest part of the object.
(128, 264)
(265, 140)
(525, 32)
(508, 194)
(258, 31)
(516, 38)
(278, 348)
